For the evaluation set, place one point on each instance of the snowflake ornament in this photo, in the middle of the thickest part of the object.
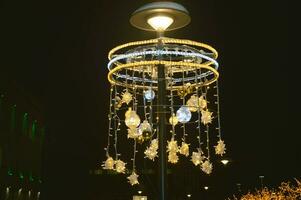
(197, 157)
(206, 167)
(127, 97)
(108, 163)
(220, 148)
(184, 149)
(120, 166)
(133, 178)
(173, 157)
(206, 117)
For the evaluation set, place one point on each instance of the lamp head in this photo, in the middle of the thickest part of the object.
(160, 16)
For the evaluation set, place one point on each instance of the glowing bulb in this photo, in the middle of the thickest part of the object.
(206, 187)
(139, 192)
(188, 195)
(225, 162)
(160, 23)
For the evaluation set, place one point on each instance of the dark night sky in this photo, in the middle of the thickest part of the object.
(56, 51)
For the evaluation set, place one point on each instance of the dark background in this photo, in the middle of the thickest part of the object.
(56, 52)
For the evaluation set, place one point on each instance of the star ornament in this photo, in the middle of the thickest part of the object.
(133, 178)
(197, 158)
(120, 166)
(184, 149)
(206, 167)
(108, 164)
(127, 97)
(172, 146)
(220, 148)
(151, 153)
(206, 117)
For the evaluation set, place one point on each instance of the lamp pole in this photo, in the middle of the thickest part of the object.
(161, 16)
(162, 127)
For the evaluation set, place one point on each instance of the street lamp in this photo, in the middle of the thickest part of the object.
(160, 88)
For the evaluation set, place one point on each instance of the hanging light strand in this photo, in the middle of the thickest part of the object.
(172, 112)
(134, 155)
(151, 104)
(183, 103)
(116, 126)
(199, 110)
(218, 111)
(207, 128)
(110, 122)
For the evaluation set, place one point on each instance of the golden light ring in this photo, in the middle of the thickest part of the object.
(165, 40)
(157, 62)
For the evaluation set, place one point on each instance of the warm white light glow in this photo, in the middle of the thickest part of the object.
(225, 162)
(139, 192)
(206, 187)
(160, 23)
(189, 195)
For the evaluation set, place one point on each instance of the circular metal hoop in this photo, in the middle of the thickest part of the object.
(166, 63)
(166, 41)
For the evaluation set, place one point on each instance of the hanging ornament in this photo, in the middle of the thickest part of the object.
(117, 102)
(173, 120)
(128, 112)
(184, 149)
(140, 139)
(145, 129)
(154, 144)
(127, 97)
(151, 151)
(220, 148)
(187, 89)
(133, 178)
(120, 166)
(202, 102)
(173, 158)
(132, 120)
(172, 146)
(149, 94)
(133, 133)
(197, 157)
(183, 114)
(206, 117)
(206, 167)
(193, 103)
(108, 163)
